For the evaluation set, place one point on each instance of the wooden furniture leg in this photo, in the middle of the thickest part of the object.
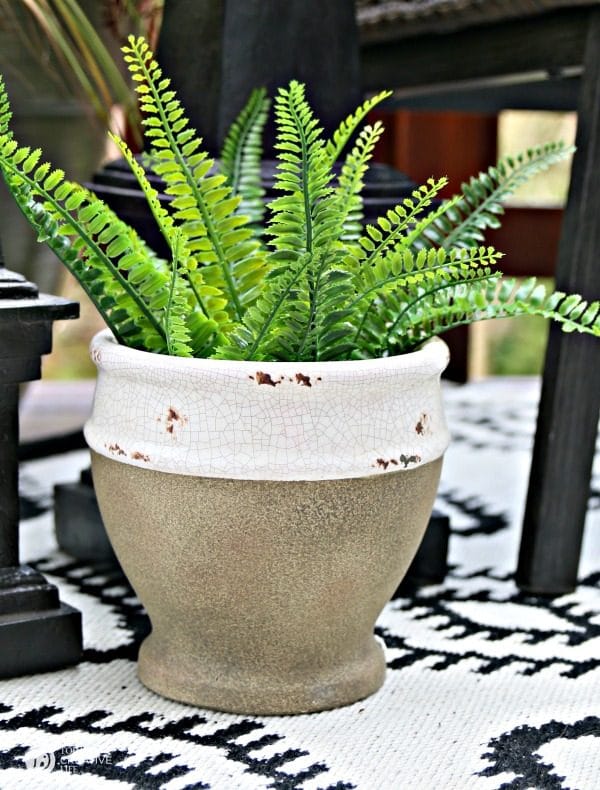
(570, 403)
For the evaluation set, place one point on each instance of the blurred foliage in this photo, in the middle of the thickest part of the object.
(519, 351)
(83, 58)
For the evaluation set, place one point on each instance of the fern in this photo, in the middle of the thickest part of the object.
(400, 226)
(5, 111)
(341, 136)
(209, 300)
(302, 227)
(407, 271)
(176, 331)
(351, 181)
(320, 287)
(408, 281)
(301, 314)
(241, 157)
(92, 243)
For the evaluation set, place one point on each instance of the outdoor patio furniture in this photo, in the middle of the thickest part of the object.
(38, 632)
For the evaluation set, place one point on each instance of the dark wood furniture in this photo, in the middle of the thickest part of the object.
(37, 631)
(466, 54)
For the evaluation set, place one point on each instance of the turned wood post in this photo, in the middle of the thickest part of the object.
(37, 631)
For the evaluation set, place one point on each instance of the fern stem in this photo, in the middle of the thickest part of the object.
(305, 192)
(311, 323)
(196, 293)
(174, 263)
(363, 321)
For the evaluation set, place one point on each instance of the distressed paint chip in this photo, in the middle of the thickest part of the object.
(406, 460)
(423, 425)
(265, 378)
(174, 418)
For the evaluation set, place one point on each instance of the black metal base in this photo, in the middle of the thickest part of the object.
(78, 523)
(430, 564)
(38, 633)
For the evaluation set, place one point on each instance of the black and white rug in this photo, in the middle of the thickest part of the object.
(487, 688)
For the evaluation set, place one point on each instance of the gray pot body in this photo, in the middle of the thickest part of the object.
(263, 595)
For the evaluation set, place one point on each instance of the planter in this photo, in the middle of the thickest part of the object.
(265, 513)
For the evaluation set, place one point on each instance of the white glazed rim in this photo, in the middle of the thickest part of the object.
(433, 355)
(316, 420)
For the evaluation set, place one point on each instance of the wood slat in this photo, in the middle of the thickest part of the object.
(549, 43)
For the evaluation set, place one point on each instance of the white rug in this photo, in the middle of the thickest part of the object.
(486, 688)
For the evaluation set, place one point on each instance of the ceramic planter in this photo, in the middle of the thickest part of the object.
(264, 514)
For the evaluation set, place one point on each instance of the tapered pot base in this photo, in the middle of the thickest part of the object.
(205, 685)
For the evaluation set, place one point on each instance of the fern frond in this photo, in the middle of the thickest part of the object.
(264, 334)
(176, 330)
(333, 330)
(350, 182)
(87, 237)
(161, 216)
(203, 205)
(178, 245)
(403, 280)
(480, 202)
(496, 299)
(348, 126)
(302, 172)
(241, 157)
(404, 269)
(304, 223)
(5, 111)
(401, 225)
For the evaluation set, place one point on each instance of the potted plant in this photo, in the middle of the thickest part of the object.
(267, 432)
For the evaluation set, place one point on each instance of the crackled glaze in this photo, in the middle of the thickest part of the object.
(267, 420)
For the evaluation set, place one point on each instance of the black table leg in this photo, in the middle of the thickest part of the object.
(570, 403)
